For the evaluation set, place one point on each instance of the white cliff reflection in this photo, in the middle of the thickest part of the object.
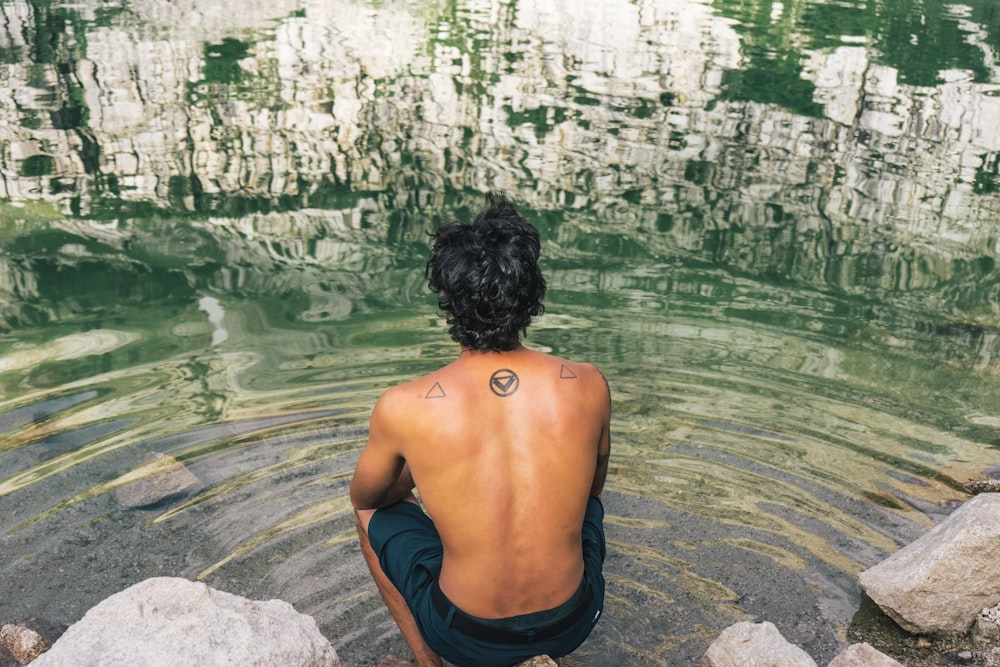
(773, 225)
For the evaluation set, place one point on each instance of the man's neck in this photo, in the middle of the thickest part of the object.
(469, 353)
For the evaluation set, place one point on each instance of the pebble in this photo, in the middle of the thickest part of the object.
(22, 643)
(983, 486)
(991, 614)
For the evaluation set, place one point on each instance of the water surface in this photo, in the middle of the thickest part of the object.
(772, 225)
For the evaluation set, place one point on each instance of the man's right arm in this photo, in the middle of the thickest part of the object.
(381, 476)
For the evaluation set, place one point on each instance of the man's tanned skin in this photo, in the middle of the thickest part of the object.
(505, 449)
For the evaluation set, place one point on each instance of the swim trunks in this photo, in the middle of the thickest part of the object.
(410, 552)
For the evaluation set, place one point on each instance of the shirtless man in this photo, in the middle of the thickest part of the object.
(508, 449)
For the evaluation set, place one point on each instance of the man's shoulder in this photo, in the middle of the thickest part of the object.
(569, 369)
(402, 392)
(412, 393)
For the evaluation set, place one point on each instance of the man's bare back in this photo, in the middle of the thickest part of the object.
(503, 448)
(508, 449)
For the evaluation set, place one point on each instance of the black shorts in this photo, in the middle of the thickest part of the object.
(409, 550)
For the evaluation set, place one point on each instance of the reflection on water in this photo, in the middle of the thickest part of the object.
(772, 225)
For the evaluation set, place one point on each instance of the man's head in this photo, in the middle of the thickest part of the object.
(487, 278)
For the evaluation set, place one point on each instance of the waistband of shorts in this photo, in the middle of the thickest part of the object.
(472, 627)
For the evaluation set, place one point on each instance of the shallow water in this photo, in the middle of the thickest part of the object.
(772, 225)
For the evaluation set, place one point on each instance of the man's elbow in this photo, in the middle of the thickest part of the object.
(360, 500)
(360, 506)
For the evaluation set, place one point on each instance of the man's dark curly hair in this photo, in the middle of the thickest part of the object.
(486, 276)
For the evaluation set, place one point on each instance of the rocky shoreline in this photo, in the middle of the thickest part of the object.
(938, 602)
(934, 602)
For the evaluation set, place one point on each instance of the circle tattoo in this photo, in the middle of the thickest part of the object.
(504, 382)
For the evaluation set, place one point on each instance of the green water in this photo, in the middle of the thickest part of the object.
(774, 226)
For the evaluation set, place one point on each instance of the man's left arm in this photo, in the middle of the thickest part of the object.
(604, 444)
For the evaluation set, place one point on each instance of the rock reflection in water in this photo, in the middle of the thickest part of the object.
(776, 240)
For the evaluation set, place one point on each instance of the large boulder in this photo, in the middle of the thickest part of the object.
(939, 583)
(863, 655)
(754, 645)
(172, 622)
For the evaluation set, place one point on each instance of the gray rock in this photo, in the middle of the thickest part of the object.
(161, 477)
(23, 644)
(754, 645)
(863, 655)
(173, 622)
(940, 582)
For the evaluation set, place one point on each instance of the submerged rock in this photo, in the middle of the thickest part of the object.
(754, 645)
(939, 583)
(173, 622)
(160, 478)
